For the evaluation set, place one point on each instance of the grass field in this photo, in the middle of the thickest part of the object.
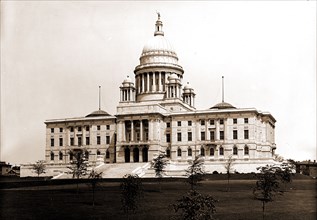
(62, 201)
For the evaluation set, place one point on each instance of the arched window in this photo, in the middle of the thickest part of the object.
(202, 151)
(235, 150)
(145, 152)
(87, 155)
(127, 155)
(71, 155)
(179, 152)
(212, 151)
(168, 153)
(60, 156)
(136, 154)
(190, 152)
(107, 154)
(52, 156)
(98, 152)
(246, 150)
(221, 151)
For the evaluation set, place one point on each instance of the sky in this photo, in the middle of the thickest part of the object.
(55, 55)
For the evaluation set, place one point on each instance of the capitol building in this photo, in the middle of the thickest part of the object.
(156, 114)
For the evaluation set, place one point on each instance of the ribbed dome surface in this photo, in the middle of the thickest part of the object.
(222, 105)
(98, 113)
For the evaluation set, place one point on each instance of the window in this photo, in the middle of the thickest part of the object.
(235, 134)
(52, 142)
(87, 155)
(98, 127)
(235, 151)
(60, 142)
(52, 156)
(52, 130)
(71, 155)
(60, 130)
(71, 141)
(202, 151)
(168, 138)
(246, 120)
(222, 135)
(98, 140)
(235, 121)
(212, 151)
(168, 153)
(71, 129)
(179, 136)
(179, 152)
(107, 139)
(189, 123)
(190, 138)
(246, 150)
(87, 140)
(79, 141)
(212, 135)
(190, 152)
(202, 136)
(79, 129)
(60, 156)
(87, 128)
(98, 152)
(202, 122)
(221, 121)
(246, 134)
(168, 124)
(108, 127)
(221, 151)
(179, 123)
(107, 154)
(212, 122)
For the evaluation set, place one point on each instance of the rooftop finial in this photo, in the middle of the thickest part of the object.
(158, 25)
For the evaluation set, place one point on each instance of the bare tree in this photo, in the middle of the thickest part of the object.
(94, 177)
(195, 171)
(228, 166)
(39, 167)
(159, 163)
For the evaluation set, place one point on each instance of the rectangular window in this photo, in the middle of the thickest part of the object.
(107, 139)
(98, 127)
(212, 122)
(235, 121)
(235, 134)
(179, 136)
(87, 140)
(79, 129)
(71, 129)
(202, 122)
(79, 141)
(202, 136)
(212, 135)
(60, 142)
(179, 123)
(190, 138)
(222, 135)
(52, 142)
(71, 141)
(52, 130)
(189, 123)
(168, 138)
(168, 124)
(98, 140)
(246, 134)
(60, 130)
(221, 121)
(108, 127)
(246, 120)
(87, 128)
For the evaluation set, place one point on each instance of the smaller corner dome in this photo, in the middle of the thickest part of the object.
(188, 86)
(222, 105)
(173, 76)
(98, 113)
(127, 80)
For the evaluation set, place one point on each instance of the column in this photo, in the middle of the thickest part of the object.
(123, 131)
(160, 82)
(150, 133)
(141, 130)
(217, 130)
(132, 131)
(148, 82)
(153, 81)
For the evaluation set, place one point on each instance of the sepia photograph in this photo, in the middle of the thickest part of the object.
(158, 110)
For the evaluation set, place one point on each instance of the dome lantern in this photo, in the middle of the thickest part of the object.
(158, 26)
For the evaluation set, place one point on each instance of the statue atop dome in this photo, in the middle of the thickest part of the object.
(158, 15)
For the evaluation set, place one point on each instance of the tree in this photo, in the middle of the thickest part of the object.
(94, 177)
(228, 166)
(195, 171)
(267, 185)
(286, 172)
(78, 166)
(194, 206)
(131, 192)
(39, 167)
(159, 163)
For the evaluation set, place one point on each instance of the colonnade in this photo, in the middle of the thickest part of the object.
(150, 82)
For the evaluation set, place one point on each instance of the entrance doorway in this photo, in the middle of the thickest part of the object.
(127, 155)
(136, 154)
(145, 154)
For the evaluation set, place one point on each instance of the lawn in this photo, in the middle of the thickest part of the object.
(63, 202)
